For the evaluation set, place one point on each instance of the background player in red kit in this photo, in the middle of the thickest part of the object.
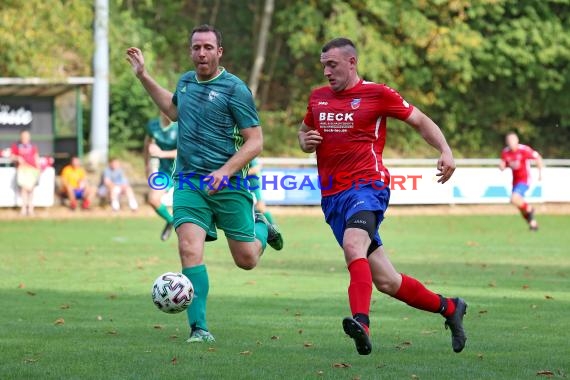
(517, 157)
(346, 125)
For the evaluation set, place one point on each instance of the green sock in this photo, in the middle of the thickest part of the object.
(162, 211)
(261, 233)
(269, 217)
(198, 275)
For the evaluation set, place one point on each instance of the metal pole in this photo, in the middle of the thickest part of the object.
(100, 102)
(79, 121)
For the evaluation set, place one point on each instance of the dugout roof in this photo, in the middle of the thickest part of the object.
(41, 87)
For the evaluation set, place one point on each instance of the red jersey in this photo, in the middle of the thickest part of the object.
(353, 126)
(27, 151)
(519, 161)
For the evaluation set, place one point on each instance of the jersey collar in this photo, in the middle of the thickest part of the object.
(222, 70)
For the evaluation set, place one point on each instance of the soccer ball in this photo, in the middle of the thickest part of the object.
(172, 292)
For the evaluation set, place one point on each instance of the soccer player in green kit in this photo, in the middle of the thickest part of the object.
(219, 134)
(160, 142)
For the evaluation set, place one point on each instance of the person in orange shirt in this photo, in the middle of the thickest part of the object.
(74, 184)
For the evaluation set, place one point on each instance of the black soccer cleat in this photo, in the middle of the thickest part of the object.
(455, 324)
(274, 238)
(355, 330)
(166, 232)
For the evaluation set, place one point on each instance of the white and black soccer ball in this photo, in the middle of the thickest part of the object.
(172, 292)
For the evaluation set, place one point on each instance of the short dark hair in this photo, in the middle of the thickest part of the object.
(207, 28)
(338, 43)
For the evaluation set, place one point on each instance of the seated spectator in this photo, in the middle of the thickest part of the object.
(74, 185)
(114, 183)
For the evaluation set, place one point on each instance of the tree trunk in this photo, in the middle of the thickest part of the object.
(270, 72)
(261, 46)
(214, 12)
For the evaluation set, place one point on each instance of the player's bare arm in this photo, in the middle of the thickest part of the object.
(251, 148)
(309, 139)
(155, 151)
(147, 141)
(254, 170)
(502, 165)
(161, 97)
(433, 136)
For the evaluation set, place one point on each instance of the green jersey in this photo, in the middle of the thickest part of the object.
(166, 138)
(210, 117)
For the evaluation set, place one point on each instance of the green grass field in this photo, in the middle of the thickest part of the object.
(76, 303)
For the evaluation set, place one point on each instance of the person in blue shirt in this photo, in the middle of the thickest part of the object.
(114, 183)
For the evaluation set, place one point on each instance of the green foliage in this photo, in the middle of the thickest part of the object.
(130, 106)
(478, 68)
(49, 39)
(279, 135)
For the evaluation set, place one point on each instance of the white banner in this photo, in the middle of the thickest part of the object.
(43, 193)
(418, 186)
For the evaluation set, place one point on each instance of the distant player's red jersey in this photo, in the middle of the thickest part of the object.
(353, 126)
(27, 151)
(518, 161)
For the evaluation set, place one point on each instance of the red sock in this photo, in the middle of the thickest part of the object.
(525, 210)
(85, 203)
(415, 294)
(360, 289)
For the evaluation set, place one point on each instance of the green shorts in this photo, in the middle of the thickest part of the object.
(230, 209)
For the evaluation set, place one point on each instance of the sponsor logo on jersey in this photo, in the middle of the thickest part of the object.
(322, 103)
(340, 116)
(183, 90)
(355, 104)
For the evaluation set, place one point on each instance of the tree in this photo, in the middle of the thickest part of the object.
(48, 39)
(261, 46)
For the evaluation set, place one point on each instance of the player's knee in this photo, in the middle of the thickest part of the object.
(189, 251)
(354, 250)
(386, 285)
(246, 262)
(154, 200)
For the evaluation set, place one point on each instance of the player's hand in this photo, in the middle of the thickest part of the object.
(216, 181)
(446, 167)
(136, 59)
(154, 150)
(309, 140)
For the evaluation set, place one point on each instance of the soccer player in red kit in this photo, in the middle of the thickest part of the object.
(346, 125)
(517, 157)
